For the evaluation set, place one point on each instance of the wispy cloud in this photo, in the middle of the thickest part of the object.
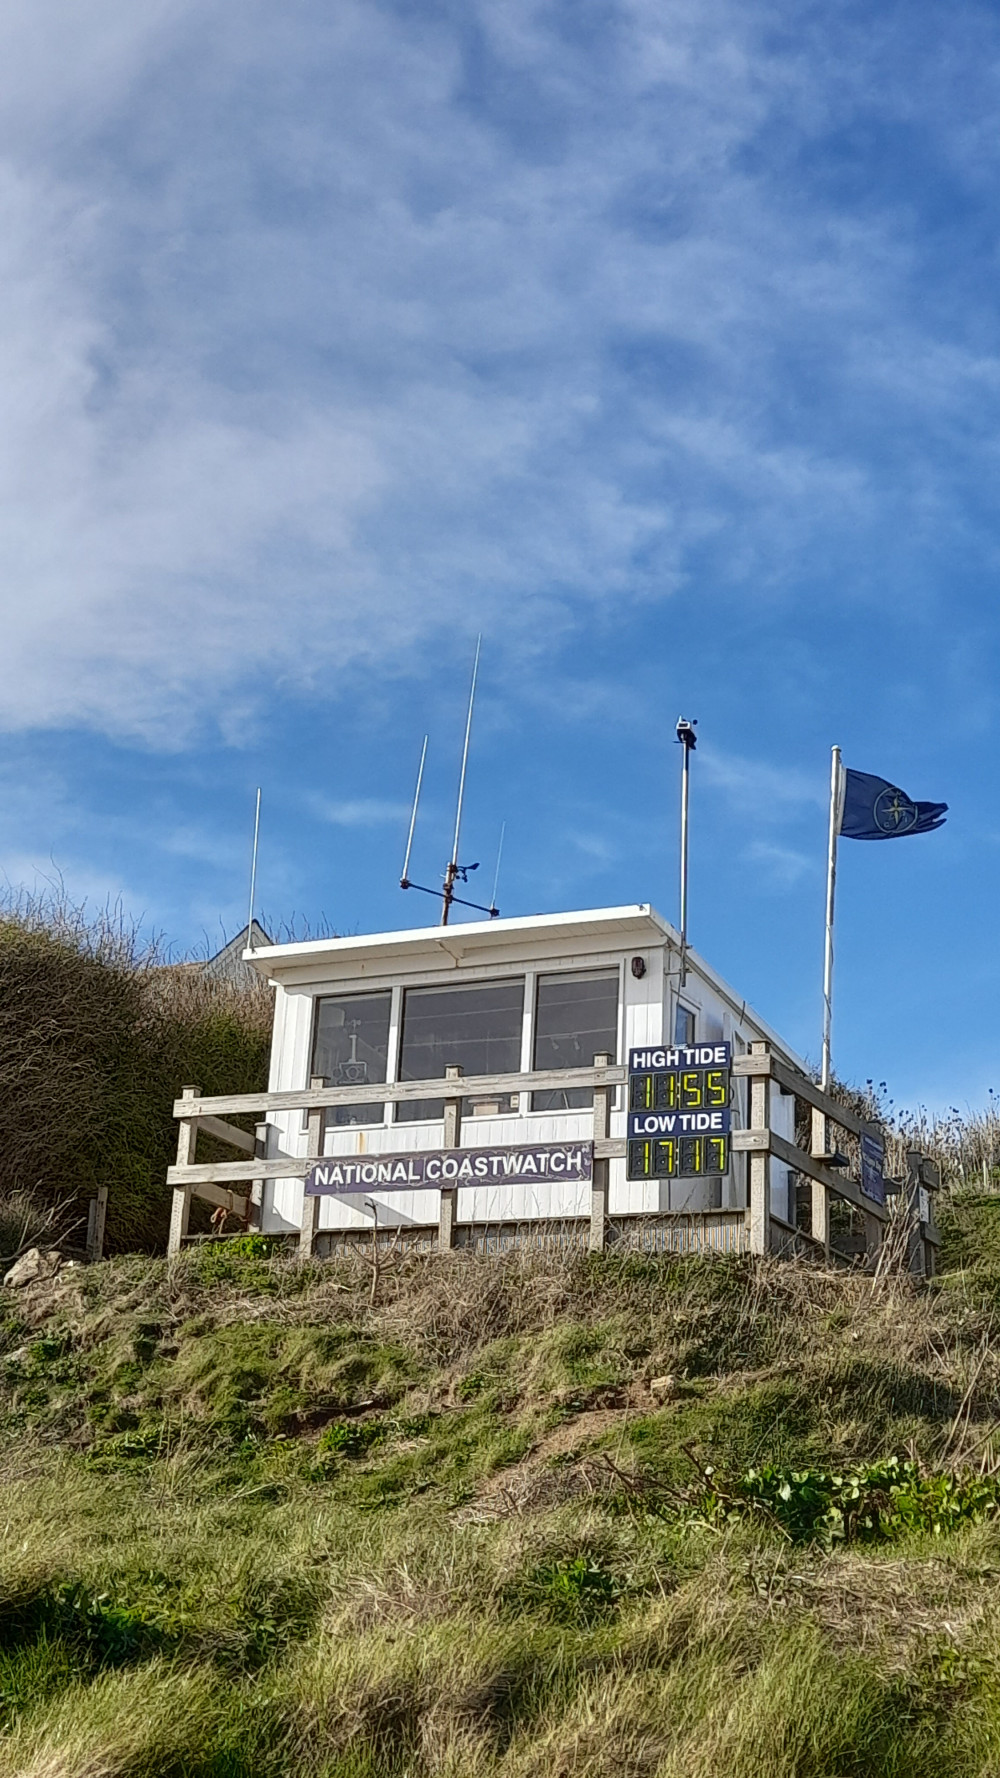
(350, 328)
(780, 866)
(759, 789)
(599, 851)
(359, 812)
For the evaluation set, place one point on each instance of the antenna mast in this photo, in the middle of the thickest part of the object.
(454, 869)
(404, 881)
(455, 873)
(496, 877)
(253, 871)
(689, 741)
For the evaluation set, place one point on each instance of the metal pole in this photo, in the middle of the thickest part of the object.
(253, 871)
(831, 884)
(689, 740)
(685, 792)
(404, 881)
(448, 895)
(451, 874)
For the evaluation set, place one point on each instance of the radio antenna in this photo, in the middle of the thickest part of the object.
(455, 872)
(253, 870)
(454, 868)
(496, 874)
(404, 881)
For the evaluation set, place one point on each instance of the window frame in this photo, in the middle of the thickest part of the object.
(609, 970)
(330, 1122)
(470, 1108)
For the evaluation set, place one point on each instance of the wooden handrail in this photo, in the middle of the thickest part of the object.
(771, 1067)
(400, 1091)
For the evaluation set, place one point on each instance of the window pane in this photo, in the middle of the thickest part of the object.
(478, 1027)
(351, 1045)
(576, 1019)
(684, 1026)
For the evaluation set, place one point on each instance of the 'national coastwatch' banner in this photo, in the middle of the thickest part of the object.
(436, 1168)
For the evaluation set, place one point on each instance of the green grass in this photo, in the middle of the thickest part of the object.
(255, 1525)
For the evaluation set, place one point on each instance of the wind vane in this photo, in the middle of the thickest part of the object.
(455, 872)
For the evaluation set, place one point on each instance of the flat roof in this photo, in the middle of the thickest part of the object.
(640, 920)
(638, 923)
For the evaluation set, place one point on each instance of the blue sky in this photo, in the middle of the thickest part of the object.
(658, 342)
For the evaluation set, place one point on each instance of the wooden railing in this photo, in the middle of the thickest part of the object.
(218, 1182)
(822, 1166)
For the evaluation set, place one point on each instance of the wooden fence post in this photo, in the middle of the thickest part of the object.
(760, 1160)
(452, 1139)
(314, 1148)
(96, 1217)
(820, 1196)
(874, 1226)
(599, 1178)
(255, 1195)
(180, 1210)
(915, 1245)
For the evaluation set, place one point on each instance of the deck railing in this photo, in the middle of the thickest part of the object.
(236, 1187)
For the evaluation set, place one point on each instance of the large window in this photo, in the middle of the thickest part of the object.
(576, 1019)
(478, 1027)
(350, 1048)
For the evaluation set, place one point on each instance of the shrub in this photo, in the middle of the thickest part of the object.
(96, 1038)
(873, 1503)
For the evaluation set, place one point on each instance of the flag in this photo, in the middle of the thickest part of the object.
(873, 809)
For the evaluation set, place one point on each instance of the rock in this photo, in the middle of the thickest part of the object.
(664, 1388)
(31, 1266)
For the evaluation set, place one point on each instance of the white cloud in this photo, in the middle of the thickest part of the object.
(328, 331)
(359, 812)
(780, 867)
(760, 790)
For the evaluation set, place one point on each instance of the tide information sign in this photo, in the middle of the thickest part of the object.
(678, 1111)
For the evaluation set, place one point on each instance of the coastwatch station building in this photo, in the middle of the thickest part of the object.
(499, 997)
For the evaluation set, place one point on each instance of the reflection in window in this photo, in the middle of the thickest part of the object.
(478, 1027)
(684, 1026)
(350, 1048)
(576, 1019)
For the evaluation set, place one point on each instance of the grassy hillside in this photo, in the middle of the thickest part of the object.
(257, 1524)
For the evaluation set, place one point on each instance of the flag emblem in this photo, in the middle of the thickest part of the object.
(894, 812)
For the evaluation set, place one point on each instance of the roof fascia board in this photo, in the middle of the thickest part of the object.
(462, 940)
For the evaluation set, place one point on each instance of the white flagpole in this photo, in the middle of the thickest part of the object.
(836, 812)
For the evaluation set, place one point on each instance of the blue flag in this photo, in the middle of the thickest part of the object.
(874, 809)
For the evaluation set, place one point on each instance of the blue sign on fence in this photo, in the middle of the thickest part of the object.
(873, 1167)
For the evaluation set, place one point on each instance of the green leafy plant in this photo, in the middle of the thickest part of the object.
(872, 1503)
(352, 1438)
(573, 1590)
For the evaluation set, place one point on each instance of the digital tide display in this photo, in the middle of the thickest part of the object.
(678, 1111)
